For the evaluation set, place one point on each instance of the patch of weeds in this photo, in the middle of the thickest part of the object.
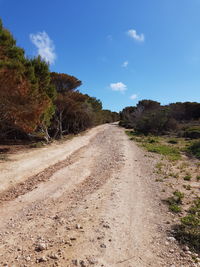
(171, 152)
(187, 177)
(3, 157)
(179, 196)
(173, 141)
(37, 145)
(183, 165)
(194, 149)
(175, 201)
(152, 140)
(174, 175)
(159, 166)
(175, 208)
(187, 187)
(198, 178)
(188, 232)
(159, 180)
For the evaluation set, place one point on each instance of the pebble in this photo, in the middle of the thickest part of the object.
(40, 247)
(78, 226)
(82, 263)
(42, 259)
(54, 256)
(103, 246)
(186, 248)
(171, 239)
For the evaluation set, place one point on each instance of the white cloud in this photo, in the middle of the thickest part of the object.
(133, 97)
(45, 46)
(125, 64)
(137, 37)
(120, 87)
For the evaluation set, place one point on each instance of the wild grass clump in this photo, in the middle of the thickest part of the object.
(171, 152)
(187, 177)
(188, 232)
(173, 141)
(194, 149)
(175, 201)
(37, 145)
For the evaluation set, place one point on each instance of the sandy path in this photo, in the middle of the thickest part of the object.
(101, 209)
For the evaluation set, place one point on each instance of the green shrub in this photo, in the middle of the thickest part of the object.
(198, 177)
(187, 177)
(171, 152)
(175, 208)
(194, 149)
(192, 132)
(188, 232)
(173, 141)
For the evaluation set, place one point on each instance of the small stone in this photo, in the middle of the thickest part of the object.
(189, 252)
(75, 262)
(40, 247)
(42, 259)
(78, 226)
(171, 239)
(106, 226)
(72, 238)
(92, 261)
(182, 254)
(186, 248)
(103, 246)
(68, 243)
(28, 258)
(54, 256)
(166, 243)
(82, 263)
(171, 250)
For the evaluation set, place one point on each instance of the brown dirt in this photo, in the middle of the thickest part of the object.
(91, 201)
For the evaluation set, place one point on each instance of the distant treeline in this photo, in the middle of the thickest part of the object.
(35, 103)
(150, 117)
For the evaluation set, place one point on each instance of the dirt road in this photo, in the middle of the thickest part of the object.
(91, 201)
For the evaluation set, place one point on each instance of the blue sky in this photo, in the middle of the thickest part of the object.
(122, 50)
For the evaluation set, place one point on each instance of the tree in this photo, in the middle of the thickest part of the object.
(24, 100)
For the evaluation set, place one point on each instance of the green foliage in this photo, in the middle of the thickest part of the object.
(194, 149)
(35, 103)
(175, 201)
(173, 141)
(171, 152)
(149, 117)
(175, 208)
(188, 232)
(187, 177)
(192, 132)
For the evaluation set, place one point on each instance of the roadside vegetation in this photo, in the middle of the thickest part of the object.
(37, 105)
(173, 132)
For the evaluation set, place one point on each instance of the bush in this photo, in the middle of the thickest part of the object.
(192, 132)
(173, 141)
(188, 232)
(187, 177)
(194, 149)
(175, 208)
